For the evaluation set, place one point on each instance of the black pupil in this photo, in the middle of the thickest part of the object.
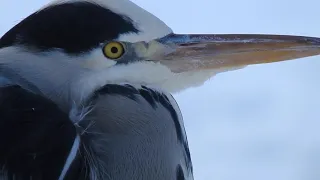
(114, 50)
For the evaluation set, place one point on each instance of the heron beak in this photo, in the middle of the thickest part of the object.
(183, 53)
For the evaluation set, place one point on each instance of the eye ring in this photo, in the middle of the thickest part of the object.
(113, 50)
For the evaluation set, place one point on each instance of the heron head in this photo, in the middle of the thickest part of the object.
(84, 44)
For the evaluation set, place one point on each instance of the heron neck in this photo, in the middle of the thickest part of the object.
(134, 133)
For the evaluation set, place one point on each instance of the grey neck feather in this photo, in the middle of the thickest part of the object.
(134, 134)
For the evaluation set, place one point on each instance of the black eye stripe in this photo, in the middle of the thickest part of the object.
(60, 26)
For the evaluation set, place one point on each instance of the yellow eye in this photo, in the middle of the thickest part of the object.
(113, 50)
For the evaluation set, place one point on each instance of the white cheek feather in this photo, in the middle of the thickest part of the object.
(78, 77)
(96, 61)
(151, 74)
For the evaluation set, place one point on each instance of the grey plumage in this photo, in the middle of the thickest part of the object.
(129, 133)
(122, 131)
(94, 79)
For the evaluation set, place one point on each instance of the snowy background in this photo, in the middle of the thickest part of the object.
(261, 122)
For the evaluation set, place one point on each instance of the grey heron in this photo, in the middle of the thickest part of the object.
(87, 83)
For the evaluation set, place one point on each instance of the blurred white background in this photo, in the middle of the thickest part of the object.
(261, 122)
